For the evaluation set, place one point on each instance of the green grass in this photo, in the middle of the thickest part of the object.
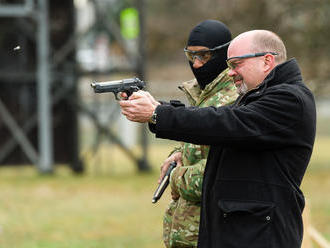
(106, 207)
(110, 205)
(316, 186)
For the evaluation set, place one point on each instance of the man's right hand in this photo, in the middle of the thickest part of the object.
(177, 157)
(139, 107)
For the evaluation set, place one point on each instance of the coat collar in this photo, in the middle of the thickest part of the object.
(285, 73)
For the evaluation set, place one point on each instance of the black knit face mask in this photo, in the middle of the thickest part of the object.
(210, 34)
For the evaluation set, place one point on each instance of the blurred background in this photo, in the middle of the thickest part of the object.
(73, 171)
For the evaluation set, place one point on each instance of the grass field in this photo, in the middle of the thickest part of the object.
(110, 205)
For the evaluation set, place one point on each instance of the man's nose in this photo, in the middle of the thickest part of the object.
(231, 72)
(197, 63)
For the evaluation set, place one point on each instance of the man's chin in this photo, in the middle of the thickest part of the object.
(239, 92)
(242, 89)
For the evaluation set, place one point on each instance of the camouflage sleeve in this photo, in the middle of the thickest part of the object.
(187, 181)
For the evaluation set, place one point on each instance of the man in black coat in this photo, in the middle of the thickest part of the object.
(260, 146)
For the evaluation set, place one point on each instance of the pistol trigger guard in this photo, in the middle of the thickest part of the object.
(116, 95)
(119, 97)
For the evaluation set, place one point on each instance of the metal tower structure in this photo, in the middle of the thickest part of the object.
(39, 12)
(49, 96)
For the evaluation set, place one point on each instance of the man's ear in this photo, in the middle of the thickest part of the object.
(269, 62)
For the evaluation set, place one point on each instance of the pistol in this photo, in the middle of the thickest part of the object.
(164, 183)
(128, 86)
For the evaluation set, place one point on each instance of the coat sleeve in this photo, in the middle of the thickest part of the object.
(266, 122)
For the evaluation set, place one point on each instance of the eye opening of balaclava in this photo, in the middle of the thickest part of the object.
(210, 33)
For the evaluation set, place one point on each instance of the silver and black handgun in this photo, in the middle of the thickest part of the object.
(164, 183)
(128, 86)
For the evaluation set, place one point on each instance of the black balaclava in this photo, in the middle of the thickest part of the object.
(210, 33)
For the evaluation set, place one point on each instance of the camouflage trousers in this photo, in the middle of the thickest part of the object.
(181, 224)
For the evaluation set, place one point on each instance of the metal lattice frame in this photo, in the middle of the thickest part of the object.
(38, 11)
(44, 160)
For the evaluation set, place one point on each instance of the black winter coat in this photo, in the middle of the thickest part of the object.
(260, 149)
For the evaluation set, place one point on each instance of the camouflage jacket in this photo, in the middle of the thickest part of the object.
(181, 219)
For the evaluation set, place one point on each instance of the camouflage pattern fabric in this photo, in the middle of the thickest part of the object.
(181, 219)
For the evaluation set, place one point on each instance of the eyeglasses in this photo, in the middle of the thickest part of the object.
(233, 64)
(202, 55)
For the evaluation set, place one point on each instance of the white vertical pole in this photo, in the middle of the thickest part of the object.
(44, 107)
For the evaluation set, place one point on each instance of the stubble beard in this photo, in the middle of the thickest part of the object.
(242, 88)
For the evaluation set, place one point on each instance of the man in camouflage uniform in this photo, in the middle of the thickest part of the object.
(212, 87)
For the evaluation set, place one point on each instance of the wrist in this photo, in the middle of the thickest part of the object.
(153, 117)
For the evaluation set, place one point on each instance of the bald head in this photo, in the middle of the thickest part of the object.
(257, 41)
(252, 56)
